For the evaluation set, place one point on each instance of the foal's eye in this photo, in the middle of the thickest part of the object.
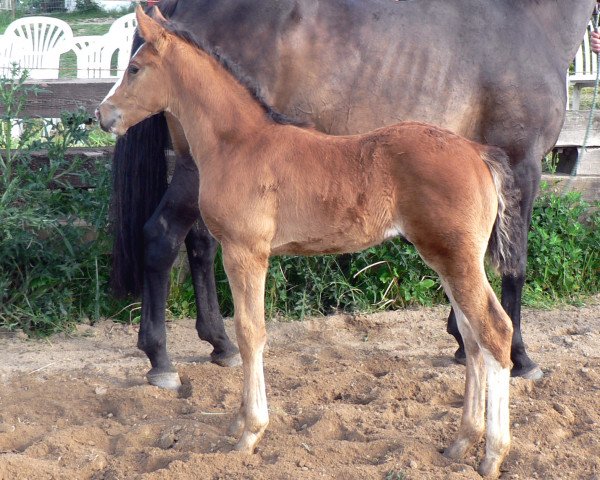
(133, 69)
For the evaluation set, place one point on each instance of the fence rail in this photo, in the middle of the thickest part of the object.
(65, 95)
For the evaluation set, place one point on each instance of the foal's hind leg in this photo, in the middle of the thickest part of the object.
(482, 320)
(527, 175)
(472, 424)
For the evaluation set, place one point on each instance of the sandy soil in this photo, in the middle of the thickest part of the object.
(363, 397)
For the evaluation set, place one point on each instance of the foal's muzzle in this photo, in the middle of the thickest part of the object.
(109, 118)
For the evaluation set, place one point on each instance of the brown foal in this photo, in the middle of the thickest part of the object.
(271, 188)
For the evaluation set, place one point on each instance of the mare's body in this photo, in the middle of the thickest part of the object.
(269, 188)
(491, 70)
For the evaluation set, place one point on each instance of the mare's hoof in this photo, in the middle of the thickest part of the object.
(532, 372)
(460, 356)
(227, 360)
(166, 380)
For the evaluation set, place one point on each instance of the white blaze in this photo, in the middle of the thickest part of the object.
(120, 80)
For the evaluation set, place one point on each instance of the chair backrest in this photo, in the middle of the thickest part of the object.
(44, 39)
(95, 53)
(11, 51)
(121, 33)
(585, 63)
(88, 50)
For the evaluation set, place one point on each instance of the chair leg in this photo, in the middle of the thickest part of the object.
(576, 96)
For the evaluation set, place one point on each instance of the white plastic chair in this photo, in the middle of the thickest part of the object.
(43, 40)
(11, 51)
(89, 51)
(95, 52)
(585, 66)
(120, 36)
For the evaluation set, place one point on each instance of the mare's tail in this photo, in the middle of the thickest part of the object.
(507, 243)
(139, 182)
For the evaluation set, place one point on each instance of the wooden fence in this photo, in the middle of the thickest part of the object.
(70, 94)
(65, 95)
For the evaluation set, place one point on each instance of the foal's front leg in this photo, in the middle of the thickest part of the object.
(246, 271)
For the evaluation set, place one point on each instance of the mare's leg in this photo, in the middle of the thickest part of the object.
(527, 177)
(163, 235)
(246, 271)
(452, 328)
(201, 250)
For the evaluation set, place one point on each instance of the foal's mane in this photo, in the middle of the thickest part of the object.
(237, 72)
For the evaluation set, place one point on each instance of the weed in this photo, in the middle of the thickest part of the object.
(395, 475)
(53, 236)
(564, 246)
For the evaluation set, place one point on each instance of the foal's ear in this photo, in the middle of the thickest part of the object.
(148, 28)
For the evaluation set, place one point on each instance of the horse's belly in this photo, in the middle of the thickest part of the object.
(316, 243)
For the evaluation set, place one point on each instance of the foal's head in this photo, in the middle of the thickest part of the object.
(143, 89)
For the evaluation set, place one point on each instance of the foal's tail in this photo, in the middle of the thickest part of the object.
(506, 245)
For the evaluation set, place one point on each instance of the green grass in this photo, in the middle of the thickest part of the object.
(395, 475)
(587, 95)
(99, 138)
(94, 22)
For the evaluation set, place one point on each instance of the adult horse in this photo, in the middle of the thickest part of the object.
(493, 71)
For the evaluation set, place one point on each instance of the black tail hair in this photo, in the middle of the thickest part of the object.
(507, 244)
(139, 183)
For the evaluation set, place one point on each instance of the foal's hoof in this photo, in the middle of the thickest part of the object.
(531, 372)
(166, 380)
(248, 442)
(236, 427)
(489, 468)
(460, 356)
(226, 359)
(458, 449)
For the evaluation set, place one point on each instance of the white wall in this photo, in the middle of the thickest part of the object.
(105, 4)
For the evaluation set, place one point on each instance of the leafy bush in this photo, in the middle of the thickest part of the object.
(564, 249)
(53, 238)
(42, 6)
(87, 6)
